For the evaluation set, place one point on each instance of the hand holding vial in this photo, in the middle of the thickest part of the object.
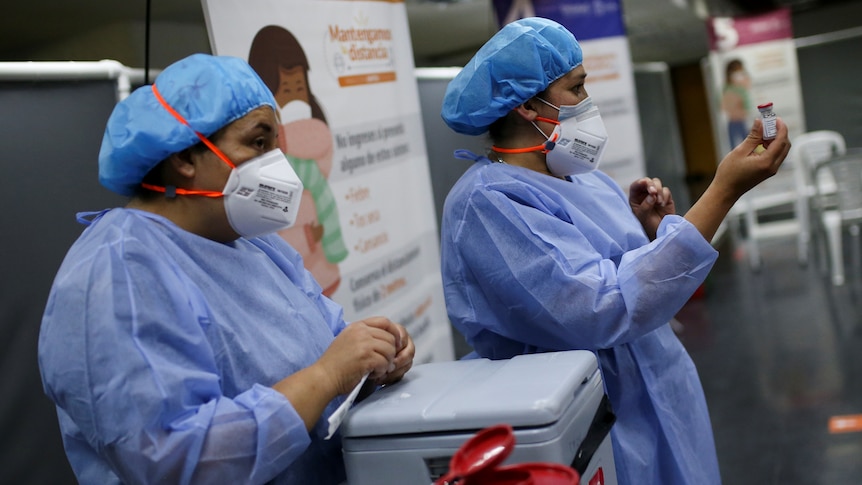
(770, 128)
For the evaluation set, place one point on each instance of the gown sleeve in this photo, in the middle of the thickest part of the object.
(147, 394)
(519, 266)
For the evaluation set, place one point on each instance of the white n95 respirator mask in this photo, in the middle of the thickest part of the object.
(262, 195)
(579, 139)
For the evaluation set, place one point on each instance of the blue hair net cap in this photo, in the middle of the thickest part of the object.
(208, 91)
(518, 62)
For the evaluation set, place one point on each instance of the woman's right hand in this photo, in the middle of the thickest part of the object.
(364, 347)
(650, 202)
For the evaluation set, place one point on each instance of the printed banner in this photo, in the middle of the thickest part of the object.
(753, 61)
(598, 26)
(343, 76)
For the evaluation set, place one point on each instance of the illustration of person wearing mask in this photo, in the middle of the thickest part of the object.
(305, 138)
(736, 101)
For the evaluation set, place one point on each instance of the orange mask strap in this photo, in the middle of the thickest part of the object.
(544, 147)
(172, 191)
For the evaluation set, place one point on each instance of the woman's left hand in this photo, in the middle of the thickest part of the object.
(403, 360)
(650, 202)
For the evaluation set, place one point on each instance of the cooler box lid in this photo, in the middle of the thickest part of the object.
(524, 391)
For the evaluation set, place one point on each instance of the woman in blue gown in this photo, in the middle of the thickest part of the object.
(183, 341)
(542, 252)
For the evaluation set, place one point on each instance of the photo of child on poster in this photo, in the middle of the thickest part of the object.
(305, 138)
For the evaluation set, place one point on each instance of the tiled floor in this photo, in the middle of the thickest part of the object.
(779, 353)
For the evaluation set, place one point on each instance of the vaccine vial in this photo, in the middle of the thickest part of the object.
(769, 119)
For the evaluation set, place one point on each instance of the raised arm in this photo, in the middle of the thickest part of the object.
(739, 171)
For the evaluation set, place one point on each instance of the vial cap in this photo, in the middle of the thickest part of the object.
(764, 106)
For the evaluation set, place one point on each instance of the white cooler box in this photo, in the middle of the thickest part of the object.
(406, 433)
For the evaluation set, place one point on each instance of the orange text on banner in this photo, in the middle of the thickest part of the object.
(358, 79)
(605, 77)
(845, 424)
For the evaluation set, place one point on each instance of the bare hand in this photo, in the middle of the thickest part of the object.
(650, 202)
(364, 347)
(745, 166)
(403, 359)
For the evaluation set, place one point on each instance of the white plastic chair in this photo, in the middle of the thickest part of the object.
(771, 210)
(845, 209)
(816, 188)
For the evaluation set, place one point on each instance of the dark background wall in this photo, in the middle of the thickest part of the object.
(830, 73)
(50, 133)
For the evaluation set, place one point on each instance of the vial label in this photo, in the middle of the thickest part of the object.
(769, 128)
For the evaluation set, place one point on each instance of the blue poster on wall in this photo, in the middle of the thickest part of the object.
(587, 19)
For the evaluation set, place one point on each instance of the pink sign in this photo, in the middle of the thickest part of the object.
(726, 33)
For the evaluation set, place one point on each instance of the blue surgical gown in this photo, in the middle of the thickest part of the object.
(533, 263)
(159, 348)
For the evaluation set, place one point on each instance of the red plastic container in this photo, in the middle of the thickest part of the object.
(476, 463)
